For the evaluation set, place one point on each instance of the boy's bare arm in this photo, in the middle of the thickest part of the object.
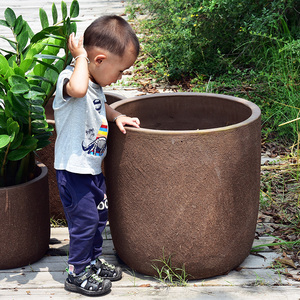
(78, 84)
(120, 119)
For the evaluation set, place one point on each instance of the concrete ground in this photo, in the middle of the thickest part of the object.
(254, 279)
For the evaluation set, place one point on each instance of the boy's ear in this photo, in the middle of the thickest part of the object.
(99, 58)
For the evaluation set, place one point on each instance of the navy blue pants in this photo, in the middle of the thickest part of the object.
(85, 205)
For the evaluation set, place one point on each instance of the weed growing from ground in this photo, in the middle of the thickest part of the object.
(169, 275)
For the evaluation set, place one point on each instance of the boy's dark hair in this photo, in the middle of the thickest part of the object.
(111, 33)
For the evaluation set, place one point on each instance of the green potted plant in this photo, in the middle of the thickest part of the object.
(28, 75)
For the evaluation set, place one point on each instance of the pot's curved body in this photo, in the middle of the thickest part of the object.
(24, 222)
(186, 184)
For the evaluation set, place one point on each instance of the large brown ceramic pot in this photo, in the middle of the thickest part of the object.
(24, 222)
(186, 184)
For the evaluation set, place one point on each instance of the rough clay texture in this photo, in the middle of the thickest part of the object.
(24, 222)
(192, 195)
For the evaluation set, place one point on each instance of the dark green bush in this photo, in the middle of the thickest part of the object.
(208, 36)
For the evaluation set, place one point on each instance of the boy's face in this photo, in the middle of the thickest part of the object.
(106, 68)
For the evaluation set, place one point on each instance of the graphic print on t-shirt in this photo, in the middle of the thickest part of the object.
(96, 146)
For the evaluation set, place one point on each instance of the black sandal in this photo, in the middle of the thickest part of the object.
(106, 270)
(89, 284)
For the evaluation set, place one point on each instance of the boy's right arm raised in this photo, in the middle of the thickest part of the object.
(78, 84)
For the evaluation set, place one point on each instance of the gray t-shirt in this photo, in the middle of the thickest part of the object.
(81, 127)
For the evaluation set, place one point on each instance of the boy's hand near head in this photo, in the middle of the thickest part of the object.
(78, 84)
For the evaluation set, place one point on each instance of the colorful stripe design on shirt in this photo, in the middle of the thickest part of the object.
(98, 146)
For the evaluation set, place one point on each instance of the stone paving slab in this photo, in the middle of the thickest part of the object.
(179, 293)
(45, 279)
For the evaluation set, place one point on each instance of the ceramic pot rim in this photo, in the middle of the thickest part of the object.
(255, 113)
(43, 173)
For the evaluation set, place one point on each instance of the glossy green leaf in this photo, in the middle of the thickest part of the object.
(16, 80)
(44, 34)
(18, 102)
(39, 124)
(26, 64)
(4, 140)
(4, 23)
(13, 128)
(10, 17)
(22, 39)
(40, 78)
(30, 142)
(49, 66)
(35, 116)
(29, 30)
(19, 71)
(5, 69)
(41, 144)
(35, 49)
(68, 26)
(37, 109)
(20, 89)
(54, 13)
(35, 95)
(64, 10)
(47, 56)
(17, 141)
(18, 25)
(18, 153)
(43, 18)
(57, 37)
(73, 27)
(74, 10)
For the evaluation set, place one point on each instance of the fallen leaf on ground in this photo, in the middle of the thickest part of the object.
(145, 285)
(286, 261)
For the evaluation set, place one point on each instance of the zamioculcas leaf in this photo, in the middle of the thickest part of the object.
(29, 30)
(13, 128)
(25, 64)
(22, 40)
(5, 69)
(20, 89)
(49, 66)
(74, 10)
(18, 25)
(4, 140)
(34, 95)
(64, 10)
(36, 48)
(10, 17)
(16, 79)
(54, 13)
(68, 26)
(39, 124)
(47, 56)
(18, 153)
(19, 71)
(40, 78)
(17, 141)
(37, 109)
(30, 143)
(73, 27)
(4, 23)
(44, 18)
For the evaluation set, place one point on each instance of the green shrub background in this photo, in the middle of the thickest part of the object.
(231, 43)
